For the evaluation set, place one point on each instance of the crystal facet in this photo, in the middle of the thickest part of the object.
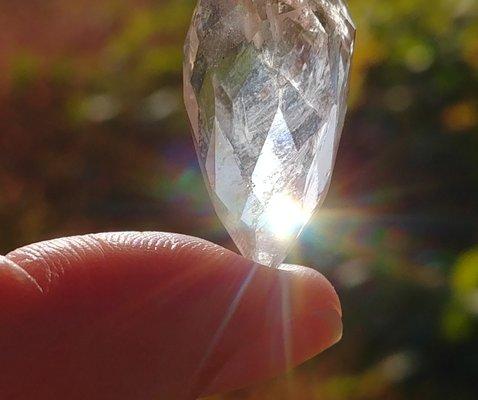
(265, 87)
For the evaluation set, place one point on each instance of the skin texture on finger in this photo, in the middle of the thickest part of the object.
(152, 315)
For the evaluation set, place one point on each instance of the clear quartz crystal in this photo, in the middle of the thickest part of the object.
(265, 87)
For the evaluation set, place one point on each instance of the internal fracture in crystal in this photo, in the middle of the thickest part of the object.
(265, 87)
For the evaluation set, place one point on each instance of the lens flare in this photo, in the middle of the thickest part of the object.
(285, 216)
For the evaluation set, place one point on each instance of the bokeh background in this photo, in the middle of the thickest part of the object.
(94, 137)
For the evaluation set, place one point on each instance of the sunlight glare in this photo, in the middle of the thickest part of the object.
(285, 216)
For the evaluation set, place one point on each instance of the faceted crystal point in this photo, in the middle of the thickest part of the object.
(265, 86)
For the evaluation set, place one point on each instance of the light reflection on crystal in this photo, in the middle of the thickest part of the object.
(265, 85)
(285, 225)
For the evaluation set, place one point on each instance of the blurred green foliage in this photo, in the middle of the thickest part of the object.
(94, 137)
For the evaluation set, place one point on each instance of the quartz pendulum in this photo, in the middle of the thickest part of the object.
(265, 87)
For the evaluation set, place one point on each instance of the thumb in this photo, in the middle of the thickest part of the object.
(152, 315)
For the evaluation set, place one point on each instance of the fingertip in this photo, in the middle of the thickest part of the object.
(304, 321)
(315, 291)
